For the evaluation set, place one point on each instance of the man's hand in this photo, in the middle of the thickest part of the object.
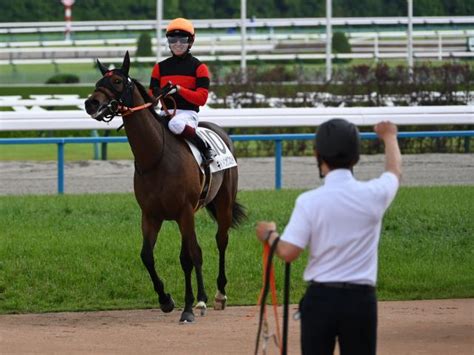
(385, 129)
(263, 228)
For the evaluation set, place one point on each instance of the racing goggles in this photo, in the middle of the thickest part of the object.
(178, 39)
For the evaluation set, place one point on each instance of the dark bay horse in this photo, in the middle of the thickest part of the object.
(167, 184)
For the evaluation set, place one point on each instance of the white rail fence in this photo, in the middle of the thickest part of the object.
(30, 115)
(302, 46)
(250, 57)
(138, 25)
(204, 38)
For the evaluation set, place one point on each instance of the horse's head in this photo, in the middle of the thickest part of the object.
(112, 92)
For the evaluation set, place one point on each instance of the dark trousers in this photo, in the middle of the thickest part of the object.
(348, 314)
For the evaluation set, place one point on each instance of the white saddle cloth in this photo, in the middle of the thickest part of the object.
(224, 158)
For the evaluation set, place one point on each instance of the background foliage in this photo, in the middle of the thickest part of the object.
(52, 10)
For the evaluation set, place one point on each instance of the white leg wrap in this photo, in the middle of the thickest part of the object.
(201, 306)
(220, 301)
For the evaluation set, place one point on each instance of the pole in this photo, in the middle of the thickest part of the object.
(61, 168)
(440, 46)
(410, 39)
(67, 18)
(278, 153)
(159, 21)
(286, 303)
(243, 34)
(328, 40)
(376, 47)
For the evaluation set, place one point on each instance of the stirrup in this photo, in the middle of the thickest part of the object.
(210, 153)
(206, 161)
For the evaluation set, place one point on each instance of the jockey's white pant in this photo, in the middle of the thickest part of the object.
(181, 119)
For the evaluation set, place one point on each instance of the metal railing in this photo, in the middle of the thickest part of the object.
(27, 120)
(229, 23)
(277, 138)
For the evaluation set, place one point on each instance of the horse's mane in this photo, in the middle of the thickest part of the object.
(146, 97)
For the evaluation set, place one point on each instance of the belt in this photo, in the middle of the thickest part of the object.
(345, 285)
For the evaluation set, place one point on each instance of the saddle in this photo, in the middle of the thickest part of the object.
(223, 160)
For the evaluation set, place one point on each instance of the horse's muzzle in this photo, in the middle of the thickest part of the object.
(92, 106)
(96, 110)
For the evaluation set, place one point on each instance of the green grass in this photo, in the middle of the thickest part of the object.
(73, 152)
(82, 252)
(83, 90)
(40, 73)
(120, 151)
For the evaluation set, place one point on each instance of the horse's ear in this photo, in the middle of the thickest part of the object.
(102, 67)
(126, 63)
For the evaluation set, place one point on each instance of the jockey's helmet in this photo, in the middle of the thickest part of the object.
(181, 27)
(338, 144)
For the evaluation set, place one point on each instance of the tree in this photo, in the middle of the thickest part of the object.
(428, 8)
(171, 9)
(340, 43)
(196, 9)
(94, 10)
(144, 46)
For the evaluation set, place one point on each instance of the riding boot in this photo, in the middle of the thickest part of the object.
(207, 153)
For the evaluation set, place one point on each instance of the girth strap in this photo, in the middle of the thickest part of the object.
(205, 188)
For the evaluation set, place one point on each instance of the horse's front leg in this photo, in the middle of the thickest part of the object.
(191, 257)
(150, 229)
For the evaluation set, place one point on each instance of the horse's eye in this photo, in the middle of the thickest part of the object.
(118, 81)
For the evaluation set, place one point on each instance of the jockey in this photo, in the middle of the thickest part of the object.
(183, 77)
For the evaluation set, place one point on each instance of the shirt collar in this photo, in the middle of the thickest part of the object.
(337, 176)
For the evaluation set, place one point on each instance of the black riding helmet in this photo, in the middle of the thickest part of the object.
(337, 144)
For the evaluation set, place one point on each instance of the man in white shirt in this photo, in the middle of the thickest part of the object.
(340, 223)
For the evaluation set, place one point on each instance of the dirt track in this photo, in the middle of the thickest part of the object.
(441, 327)
(257, 173)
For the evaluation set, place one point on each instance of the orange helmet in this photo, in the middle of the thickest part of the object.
(180, 25)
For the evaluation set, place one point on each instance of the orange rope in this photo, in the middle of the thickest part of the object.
(265, 257)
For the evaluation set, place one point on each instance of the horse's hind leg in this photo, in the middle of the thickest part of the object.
(150, 229)
(191, 257)
(220, 299)
(223, 209)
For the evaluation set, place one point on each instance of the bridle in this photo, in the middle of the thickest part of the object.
(120, 103)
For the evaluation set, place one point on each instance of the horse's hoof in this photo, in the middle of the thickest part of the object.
(201, 307)
(220, 301)
(168, 306)
(186, 317)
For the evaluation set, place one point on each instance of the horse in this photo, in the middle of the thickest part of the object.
(167, 184)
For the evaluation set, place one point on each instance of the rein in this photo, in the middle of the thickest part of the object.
(125, 111)
(269, 283)
(116, 106)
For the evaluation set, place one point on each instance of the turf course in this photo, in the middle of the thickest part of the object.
(81, 252)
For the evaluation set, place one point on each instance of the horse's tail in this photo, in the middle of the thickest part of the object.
(239, 213)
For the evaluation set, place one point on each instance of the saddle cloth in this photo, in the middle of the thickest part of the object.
(224, 158)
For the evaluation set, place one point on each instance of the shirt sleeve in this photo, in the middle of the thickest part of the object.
(199, 96)
(385, 188)
(155, 80)
(298, 229)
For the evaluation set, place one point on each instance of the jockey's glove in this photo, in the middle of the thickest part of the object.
(168, 89)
